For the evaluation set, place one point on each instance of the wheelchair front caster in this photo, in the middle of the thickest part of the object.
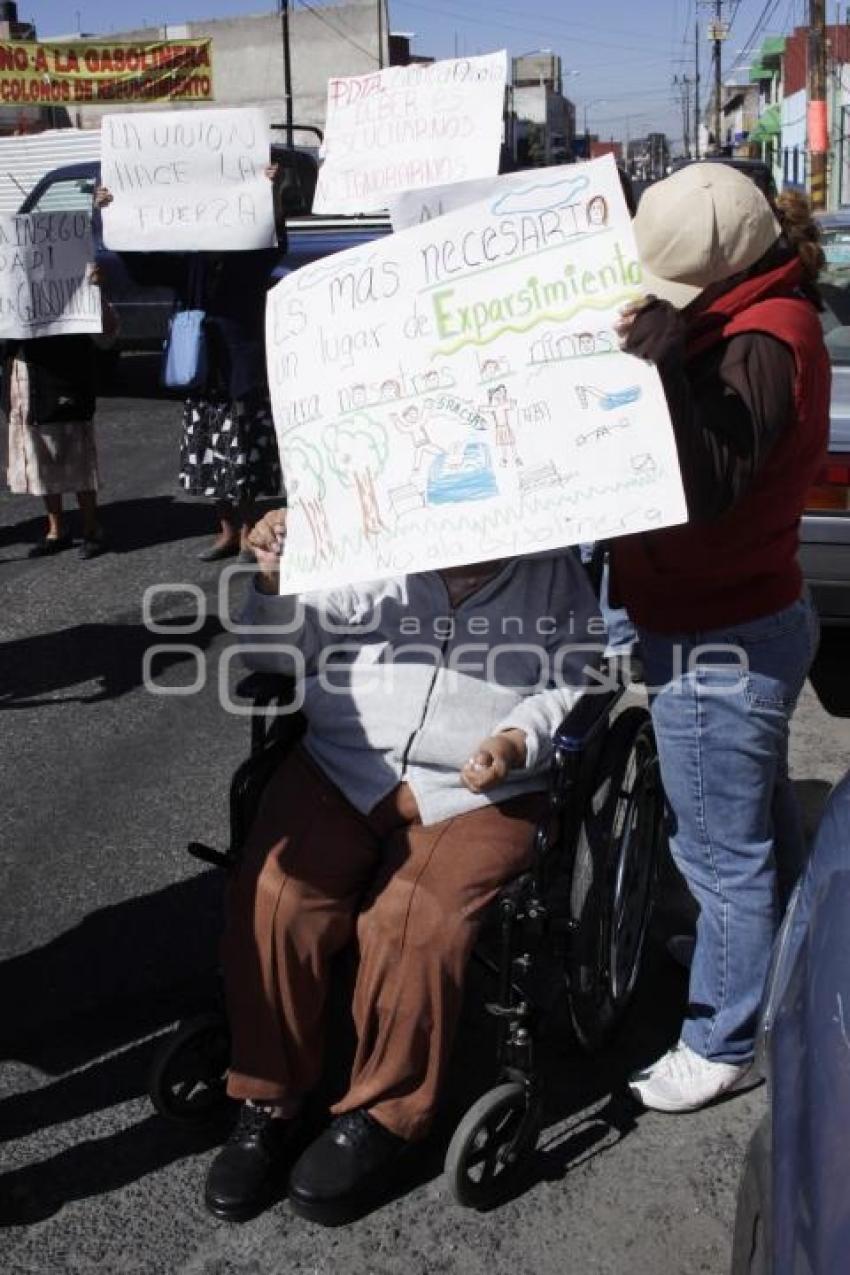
(188, 1076)
(490, 1145)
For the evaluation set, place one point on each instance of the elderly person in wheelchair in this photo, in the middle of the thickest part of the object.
(412, 799)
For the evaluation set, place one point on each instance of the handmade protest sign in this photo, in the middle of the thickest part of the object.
(410, 127)
(45, 263)
(456, 392)
(187, 181)
(413, 207)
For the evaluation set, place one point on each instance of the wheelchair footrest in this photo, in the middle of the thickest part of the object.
(206, 854)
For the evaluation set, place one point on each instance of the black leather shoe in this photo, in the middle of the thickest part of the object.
(50, 545)
(344, 1169)
(249, 1170)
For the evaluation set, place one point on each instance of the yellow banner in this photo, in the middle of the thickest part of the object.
(79, 72)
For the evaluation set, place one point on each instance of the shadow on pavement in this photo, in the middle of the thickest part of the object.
(130, 525)
(35, 668)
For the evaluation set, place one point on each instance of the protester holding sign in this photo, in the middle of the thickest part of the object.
(50, 302)
(727, 632)
(413, 798)
(228, 451)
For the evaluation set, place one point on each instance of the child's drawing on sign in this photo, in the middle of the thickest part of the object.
(413, 422)
(491, 369)
(305, 491)
(503, 413)
(463, 475)
(357, 453)
(597, 211)
(607, 400)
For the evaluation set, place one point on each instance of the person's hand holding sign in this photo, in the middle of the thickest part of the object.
(267, 539)
(493, 760)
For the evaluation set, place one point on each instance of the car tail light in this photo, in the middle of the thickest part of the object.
(832, 490)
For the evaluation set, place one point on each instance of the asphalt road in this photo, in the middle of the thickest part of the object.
(108, 936)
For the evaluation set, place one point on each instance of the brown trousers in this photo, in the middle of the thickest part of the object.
(314, 874)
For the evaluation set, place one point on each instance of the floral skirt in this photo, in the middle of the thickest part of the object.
(229, 450)
(49, 459)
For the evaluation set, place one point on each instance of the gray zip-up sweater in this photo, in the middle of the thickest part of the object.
(398, 684)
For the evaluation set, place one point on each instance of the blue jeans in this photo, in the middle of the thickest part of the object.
(721, 704)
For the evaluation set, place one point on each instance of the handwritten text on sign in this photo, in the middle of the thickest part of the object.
(45, 263)
(410, 127)
(456, 392)
(187, 181)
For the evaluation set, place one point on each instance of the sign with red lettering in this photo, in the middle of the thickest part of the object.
(408, 128)
(78, 72)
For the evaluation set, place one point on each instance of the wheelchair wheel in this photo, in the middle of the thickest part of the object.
(187, 1079)
(490, 1144)
(613, 877)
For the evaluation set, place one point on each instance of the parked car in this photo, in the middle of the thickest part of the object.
(793, 1215)
(143, 311)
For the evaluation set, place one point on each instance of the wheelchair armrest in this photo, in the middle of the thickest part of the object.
(587, 719)
(266, 688)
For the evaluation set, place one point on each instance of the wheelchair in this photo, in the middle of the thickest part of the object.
(582, 908)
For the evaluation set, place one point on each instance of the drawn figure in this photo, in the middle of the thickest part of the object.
(413, 421)
(586, 343)
(491, 369)
(609, 400)
(306, 490)
(503, 412)
(359, 396)
(357, 453)
(597, 211)
(390, 389)
(456, 479)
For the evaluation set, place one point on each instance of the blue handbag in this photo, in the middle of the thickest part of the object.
(185, 360)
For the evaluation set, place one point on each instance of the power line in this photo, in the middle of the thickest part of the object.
(524, 28)
(317, 13)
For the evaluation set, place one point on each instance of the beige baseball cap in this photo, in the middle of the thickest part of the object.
(704, 224)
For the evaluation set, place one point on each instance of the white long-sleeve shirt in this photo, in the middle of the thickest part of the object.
(398, 684)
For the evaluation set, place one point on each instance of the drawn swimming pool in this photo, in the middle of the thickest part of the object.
(619, 398)
(452, 482)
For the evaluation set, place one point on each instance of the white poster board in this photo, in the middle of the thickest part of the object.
(187, 181)
(456, 392)
(408, 128)
(413, 207)
(45, 264)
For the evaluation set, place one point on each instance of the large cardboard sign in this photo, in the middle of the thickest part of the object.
(186, 181)
(40, 73)
(45, 264)
(408, 128)
(456, 392)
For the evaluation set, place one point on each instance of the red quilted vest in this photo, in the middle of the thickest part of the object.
(743, 565)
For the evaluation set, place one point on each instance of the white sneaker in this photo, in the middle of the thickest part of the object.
(682, 1080)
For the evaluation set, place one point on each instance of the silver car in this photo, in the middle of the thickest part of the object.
(825, 532)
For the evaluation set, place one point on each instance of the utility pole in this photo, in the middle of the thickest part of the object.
(287, 71)
(380, 35)
(817, 120)
(696, 88)
(718, 35)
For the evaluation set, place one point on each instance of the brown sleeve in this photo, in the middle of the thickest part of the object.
(728, 407)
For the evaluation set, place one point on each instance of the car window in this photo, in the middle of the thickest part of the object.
(835, 289)
(70, 195)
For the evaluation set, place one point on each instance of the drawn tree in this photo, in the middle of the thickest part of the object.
(306, 490)
(357, 451)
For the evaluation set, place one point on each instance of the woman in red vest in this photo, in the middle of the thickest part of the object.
(727, 632)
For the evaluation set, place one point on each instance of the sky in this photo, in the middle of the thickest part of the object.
(619, 56)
